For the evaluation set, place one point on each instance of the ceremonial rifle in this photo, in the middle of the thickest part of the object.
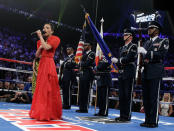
(139, 59)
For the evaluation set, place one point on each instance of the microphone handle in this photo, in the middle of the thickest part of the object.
(32, 33)
(43, 32)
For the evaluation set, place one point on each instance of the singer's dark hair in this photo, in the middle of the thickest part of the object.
(51, 25)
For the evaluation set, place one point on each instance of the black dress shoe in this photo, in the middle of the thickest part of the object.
(82, 111)
(117, 119)
(152, 125)
(144, 124)
(149, 125)
(121, 120)
(66, 107)
(99, 114)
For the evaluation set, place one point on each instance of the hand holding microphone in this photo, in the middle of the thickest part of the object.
(39, 33)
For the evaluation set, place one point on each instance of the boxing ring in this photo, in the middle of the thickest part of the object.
(14, 117)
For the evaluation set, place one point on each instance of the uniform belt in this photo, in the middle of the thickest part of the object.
(100, 73)
(132, 63)
(86, 68)
(154, 62)
(68, 69)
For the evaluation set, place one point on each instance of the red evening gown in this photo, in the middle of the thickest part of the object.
(47, 104)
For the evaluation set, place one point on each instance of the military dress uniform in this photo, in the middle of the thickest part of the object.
(152, 75)
(67, 80)
(85, 80)
(104, 82)
(127, 68)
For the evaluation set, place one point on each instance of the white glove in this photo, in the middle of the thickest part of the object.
(114, 60)
(142, 50)
(61, 62)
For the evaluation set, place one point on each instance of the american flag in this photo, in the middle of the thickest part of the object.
(80, 47)
(79, 51)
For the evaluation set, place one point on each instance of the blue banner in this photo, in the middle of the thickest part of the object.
(106, 51)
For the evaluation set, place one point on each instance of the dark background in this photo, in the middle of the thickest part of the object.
(116, 14)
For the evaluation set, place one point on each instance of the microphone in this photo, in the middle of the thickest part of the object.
(138, 29)
(43, 32)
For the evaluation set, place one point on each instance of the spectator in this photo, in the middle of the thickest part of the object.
(136, 105)
(1, 85)
(2, 93)
(28, 89)
(20, 96)
(165, 109)
(6, 94)
(114, 103)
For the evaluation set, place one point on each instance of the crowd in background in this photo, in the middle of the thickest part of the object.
(17, 92)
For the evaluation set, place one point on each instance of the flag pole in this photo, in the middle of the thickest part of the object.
(100, 53)
(79, 58)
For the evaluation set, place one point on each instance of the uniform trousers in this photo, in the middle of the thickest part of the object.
(151, 89)
(125, 97)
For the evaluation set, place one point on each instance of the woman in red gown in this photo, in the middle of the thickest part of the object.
(47, 104)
